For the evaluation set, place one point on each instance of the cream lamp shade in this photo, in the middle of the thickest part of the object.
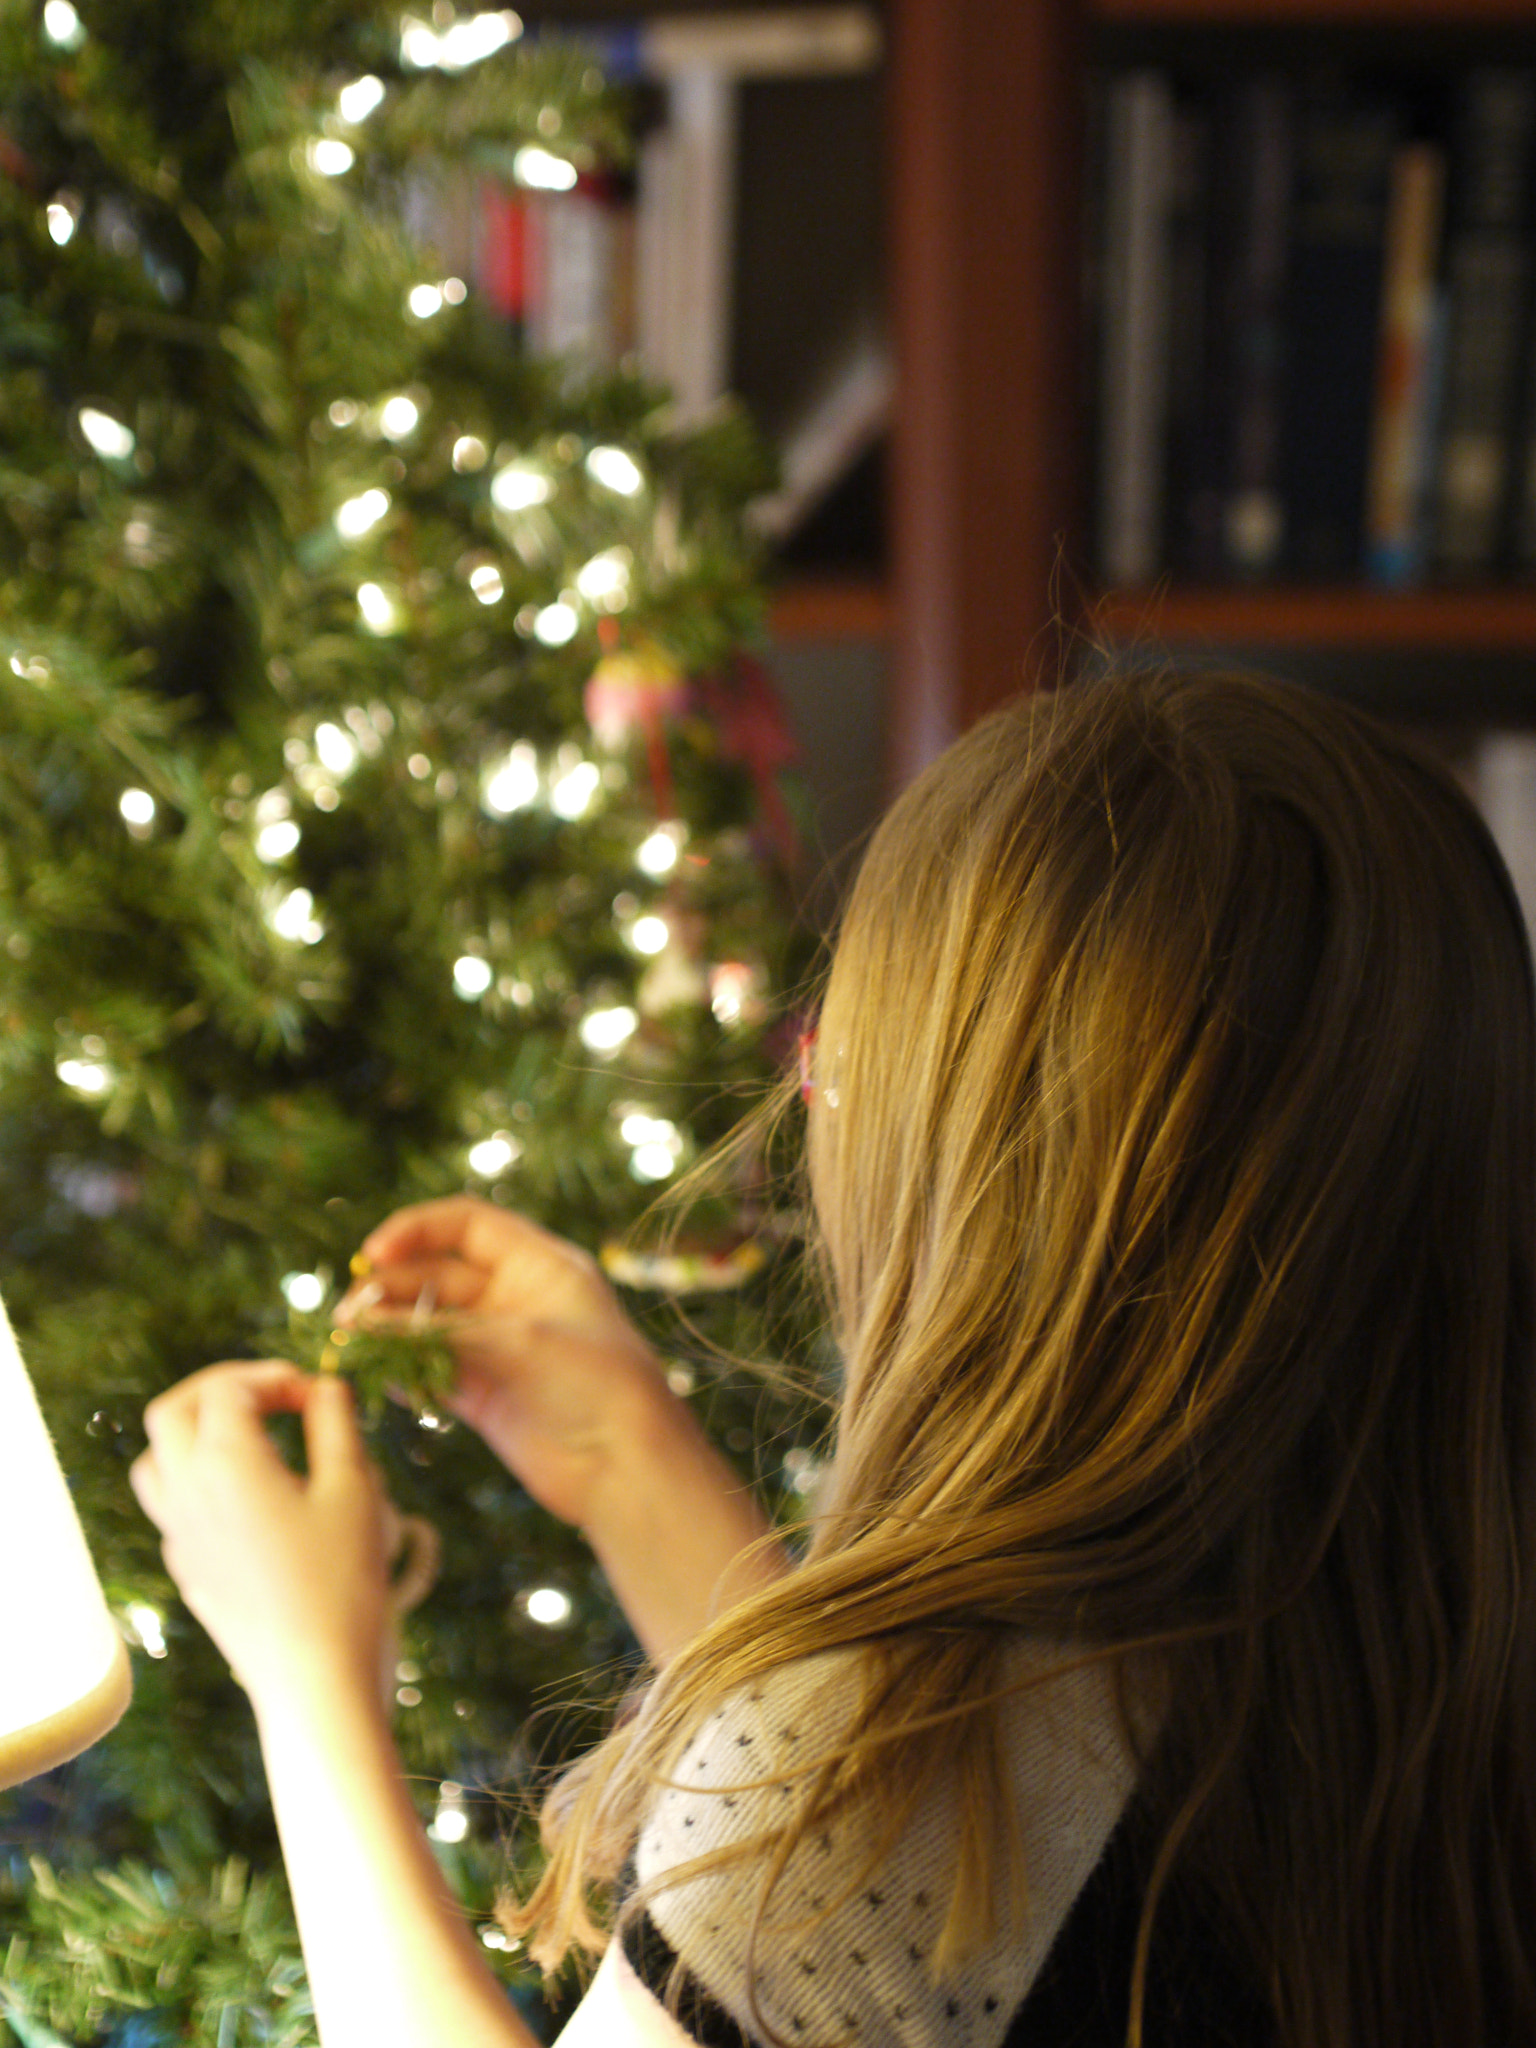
(64, 1673)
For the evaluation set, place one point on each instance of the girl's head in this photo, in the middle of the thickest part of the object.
(1173, 1155)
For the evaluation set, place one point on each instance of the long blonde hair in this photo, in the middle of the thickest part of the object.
(1173, 1171)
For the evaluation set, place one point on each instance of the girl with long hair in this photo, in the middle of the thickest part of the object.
(1161, 1668)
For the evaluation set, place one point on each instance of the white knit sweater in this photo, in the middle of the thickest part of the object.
(834, 1964)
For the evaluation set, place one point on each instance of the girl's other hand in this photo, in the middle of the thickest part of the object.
(289, 1575)
(552, 1373)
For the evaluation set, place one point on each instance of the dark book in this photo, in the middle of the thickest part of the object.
(1196, 458)
(1262, 176)
(1345, 144)
(1488, 272)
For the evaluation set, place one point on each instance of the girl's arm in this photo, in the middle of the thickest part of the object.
(391, 1962)
(289, 1576)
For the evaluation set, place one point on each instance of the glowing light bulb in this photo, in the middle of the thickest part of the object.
(640, 1129)
(148, 1626)
(615, 471)
(418, 44)
(276, 842)
(86, 1077)
(455, 291)
(604, 580)
(649, 934)
(658, 854)
(572, 795)
(138, 808)
(398, 418)
(303, 1291)
(542, 170)
(606, 1030)
(556, 624)
(62, 25)
(516, 488)
(379, 610)
(451, 1824)
(493, 1155)
(651, 1162)
(108, 436)
(486, 583)
(472, 976)
(548, 1606)
(476, 37)
(330, 157)
(424, 300)
(361, 514)
(337, 750)
(514, 784)
(343, 412)
(293, 917)
(61, 222)
(469, 453)
(355, 102)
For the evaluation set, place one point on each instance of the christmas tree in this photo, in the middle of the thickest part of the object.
(387, 806)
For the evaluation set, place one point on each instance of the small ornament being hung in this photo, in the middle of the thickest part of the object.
(411, 1363)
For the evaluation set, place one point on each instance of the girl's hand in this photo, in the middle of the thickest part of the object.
(552, 1373)
(289, 1575)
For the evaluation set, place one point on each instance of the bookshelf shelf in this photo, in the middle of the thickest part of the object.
(1311, 13)
(1483, 621)
(828, 609)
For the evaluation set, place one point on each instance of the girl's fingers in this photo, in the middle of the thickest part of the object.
(144, 1478)
(333, 1443)
(475, 1230)
(211, 1399)
(449, 1283)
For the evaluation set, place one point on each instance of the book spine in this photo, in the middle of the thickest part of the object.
(1345, 147)
(1191, 519)
(1263, 174)
(1488, 266)
(1397, 481)
(1134, 341)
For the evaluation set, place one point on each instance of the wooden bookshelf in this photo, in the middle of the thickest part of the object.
(1452, 621)
(991, 433)
(831, 609)
(1322, 13)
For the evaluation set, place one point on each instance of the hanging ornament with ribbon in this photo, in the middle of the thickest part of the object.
(633, 692)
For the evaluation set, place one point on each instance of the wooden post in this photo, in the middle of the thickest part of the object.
(986, 153)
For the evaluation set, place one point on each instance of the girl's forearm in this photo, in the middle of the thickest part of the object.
(391, 1962)
(680, 1536)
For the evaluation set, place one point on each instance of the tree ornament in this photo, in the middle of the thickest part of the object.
(636, 690)
(680, 1270)
(678, 976)
(747, 715)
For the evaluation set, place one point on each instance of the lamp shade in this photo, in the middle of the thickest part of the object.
(64, 1672)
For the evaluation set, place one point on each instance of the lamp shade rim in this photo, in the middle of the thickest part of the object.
(42, 1745)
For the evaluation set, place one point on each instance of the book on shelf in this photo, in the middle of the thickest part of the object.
(1408, 367)
(1134, 332)
(1488, 273)
(1344, 149)
(1260, 127)
(1315, 297)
